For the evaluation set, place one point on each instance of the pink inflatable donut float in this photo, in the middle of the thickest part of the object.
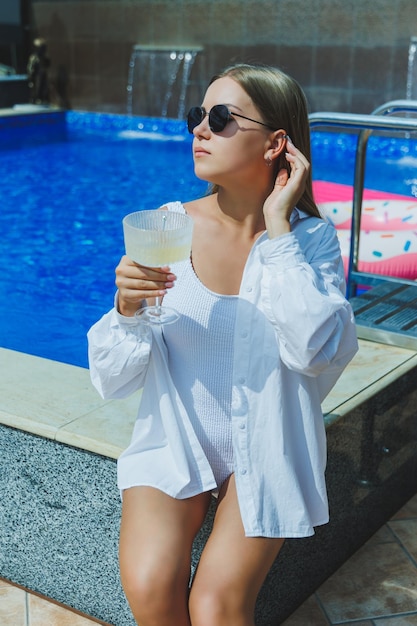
(388, 241)
(392, 253)
(392, 215)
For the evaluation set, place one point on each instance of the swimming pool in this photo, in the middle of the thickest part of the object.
(67, 180)
(66, 183)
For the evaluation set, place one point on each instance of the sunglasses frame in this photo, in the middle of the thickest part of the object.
(222, 107)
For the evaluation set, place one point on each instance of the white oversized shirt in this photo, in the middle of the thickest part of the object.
(294, 335)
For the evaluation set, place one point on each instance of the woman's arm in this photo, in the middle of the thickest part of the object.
(303, 295)
(119, 344)
(118, 352)
(303, 285)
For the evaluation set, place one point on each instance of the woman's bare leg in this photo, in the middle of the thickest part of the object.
(232, 568)
(156, 537)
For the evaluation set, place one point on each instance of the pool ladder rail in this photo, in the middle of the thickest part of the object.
(387, 311)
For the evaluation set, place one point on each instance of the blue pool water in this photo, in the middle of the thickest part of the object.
(64, 190)
(391, 162)
(67, 180)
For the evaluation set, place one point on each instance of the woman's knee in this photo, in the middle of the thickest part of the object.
(139, 584)
(155, 595)
(220, 606)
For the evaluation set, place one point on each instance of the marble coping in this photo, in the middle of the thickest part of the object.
(57, 401)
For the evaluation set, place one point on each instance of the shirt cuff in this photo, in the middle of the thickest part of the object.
(130, 320)
(283, 251)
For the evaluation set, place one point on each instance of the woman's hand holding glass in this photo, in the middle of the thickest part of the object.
(137, 283)
(154, 239)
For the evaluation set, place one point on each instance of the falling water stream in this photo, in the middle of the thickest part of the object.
(411, 93)
(158, 80)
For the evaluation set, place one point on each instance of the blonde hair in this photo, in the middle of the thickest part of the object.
(282, 104)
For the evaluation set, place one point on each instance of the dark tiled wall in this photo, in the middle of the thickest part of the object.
(349, 55)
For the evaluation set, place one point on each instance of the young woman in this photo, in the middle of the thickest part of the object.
(232, 391)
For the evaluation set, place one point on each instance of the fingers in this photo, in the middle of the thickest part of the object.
(282, 178)
(296, 158)
(292, 180)
(289, 186)
(137, 283)
(130, 275)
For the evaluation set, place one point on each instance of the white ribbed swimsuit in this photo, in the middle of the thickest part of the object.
(200, 353)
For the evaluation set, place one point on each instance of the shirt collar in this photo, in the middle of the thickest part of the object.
(298, 214)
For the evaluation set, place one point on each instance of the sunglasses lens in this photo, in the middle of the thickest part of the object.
(194, 118)
(218, 117)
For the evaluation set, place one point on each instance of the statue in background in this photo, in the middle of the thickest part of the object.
(37, 69)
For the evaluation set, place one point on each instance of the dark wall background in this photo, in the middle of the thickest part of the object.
(349, 55)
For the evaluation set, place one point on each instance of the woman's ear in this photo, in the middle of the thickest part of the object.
(277, 144)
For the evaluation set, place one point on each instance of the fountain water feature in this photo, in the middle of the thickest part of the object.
(411, 93)
(158, 80)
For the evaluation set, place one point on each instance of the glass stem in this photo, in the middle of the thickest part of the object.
(158, 305)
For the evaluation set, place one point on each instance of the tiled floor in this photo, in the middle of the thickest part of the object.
(376, 587)
(19, 608)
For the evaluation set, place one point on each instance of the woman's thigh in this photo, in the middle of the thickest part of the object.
(232, 567)
(156, 536)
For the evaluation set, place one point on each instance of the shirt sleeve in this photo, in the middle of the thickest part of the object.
(302, 294)
(118, 352)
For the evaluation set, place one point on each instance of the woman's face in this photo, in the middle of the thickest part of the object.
(237, 153)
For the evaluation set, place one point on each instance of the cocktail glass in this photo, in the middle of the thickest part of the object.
(157, 238)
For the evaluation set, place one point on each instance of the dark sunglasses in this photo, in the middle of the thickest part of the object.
(219, 116)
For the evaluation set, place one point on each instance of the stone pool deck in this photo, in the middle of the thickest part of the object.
(60, 507)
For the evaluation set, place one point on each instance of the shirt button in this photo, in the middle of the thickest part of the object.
(241, 380)
(243, 471)
(242, 425)
(248, 289)
(244, 334)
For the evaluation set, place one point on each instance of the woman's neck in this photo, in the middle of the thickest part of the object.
(243, 208)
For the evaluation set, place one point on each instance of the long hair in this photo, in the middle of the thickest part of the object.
(282, 104)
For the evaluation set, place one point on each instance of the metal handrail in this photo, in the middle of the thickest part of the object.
(396, 106)
(359, 121)
(366, 124)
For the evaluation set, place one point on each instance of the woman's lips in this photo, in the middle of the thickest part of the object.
(199, 152)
